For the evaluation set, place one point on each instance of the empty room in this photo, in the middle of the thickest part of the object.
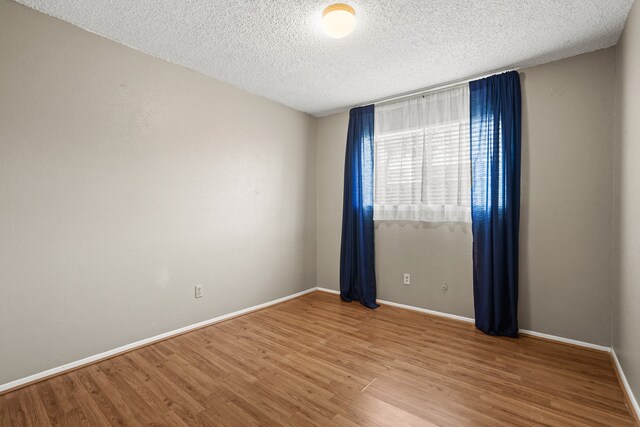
(310, 213)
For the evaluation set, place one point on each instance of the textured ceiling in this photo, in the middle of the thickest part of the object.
(277, 48)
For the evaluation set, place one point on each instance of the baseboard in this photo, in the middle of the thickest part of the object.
(626, 388)
(22, 382)
(327, 290)
(427, 311)
(566, 340)
(470, 320)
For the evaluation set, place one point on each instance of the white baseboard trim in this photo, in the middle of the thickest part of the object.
(470, 320)
(427, 311)
(327, 290)
(132, 346)
(566, 340)
(128, 347)
(625, 384)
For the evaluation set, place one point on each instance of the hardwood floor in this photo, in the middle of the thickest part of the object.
(317, 361)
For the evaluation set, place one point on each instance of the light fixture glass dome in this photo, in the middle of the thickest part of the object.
(339, 20)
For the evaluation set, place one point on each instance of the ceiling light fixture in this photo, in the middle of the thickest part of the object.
(339, 20)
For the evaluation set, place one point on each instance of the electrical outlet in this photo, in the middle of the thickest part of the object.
(445, 287)
(407, 279)
(198, 291)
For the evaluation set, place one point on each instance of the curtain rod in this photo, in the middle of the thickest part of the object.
(436, 87)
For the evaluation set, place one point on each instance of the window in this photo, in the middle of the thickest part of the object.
(422, 158)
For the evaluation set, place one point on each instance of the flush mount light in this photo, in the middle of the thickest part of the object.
(339, 20)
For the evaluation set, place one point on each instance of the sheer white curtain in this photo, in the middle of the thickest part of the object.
(422, 164)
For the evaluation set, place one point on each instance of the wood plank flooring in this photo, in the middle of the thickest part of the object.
(317, 361)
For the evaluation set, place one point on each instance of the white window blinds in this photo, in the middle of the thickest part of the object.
(422, 164)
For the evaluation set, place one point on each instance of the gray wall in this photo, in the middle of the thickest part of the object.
(626, 295)
(566, 222)
(125, 181)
